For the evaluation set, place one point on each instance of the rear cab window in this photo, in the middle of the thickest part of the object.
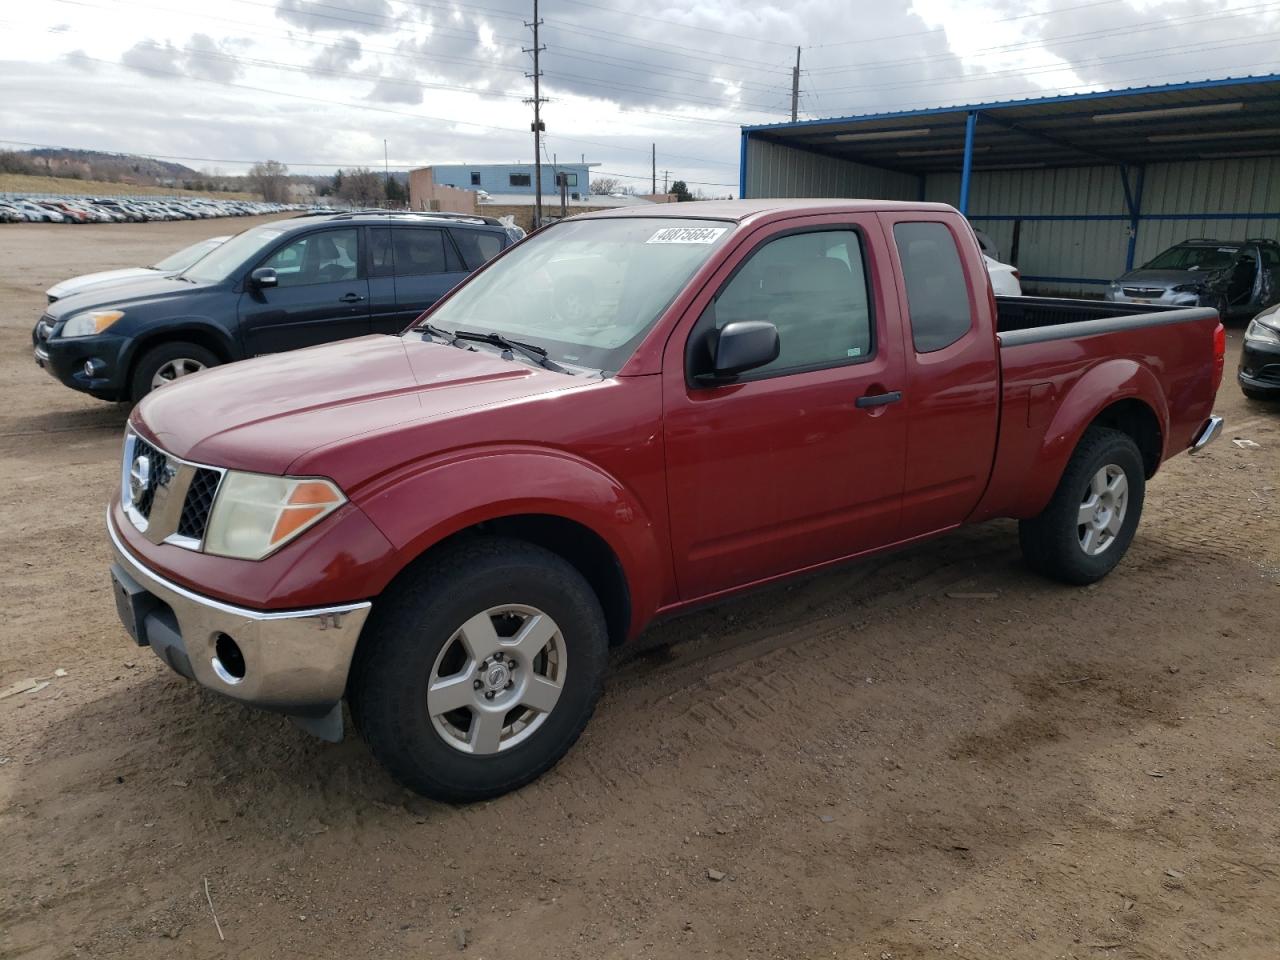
(937, 289)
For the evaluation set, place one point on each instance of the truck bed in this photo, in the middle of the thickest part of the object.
(1060, 358)
(1021, 320)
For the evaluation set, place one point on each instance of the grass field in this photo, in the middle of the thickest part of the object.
(26, 183)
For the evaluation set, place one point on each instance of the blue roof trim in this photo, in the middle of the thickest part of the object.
(1031, 102)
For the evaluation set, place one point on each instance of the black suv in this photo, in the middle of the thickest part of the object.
(279, 286)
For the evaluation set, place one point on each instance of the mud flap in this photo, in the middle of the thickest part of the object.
(327, 727)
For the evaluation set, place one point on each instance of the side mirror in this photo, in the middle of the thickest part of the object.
(744, 346)
(264, 277)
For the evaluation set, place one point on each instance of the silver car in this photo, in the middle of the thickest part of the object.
(1238, 278)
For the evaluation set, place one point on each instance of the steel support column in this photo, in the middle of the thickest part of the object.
(1133, 200)
(966, 171)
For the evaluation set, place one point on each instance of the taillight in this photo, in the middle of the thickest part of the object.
(1219, 355)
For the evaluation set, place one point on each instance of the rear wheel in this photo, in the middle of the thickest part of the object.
(479, 669)
(166, 363)
(1088, 525)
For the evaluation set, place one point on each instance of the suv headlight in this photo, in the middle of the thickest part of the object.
(91, 322)
(1189, 288)
(254, 515)
(1262, 332)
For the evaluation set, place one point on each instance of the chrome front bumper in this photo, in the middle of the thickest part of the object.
(1208, 433)
(294, 662)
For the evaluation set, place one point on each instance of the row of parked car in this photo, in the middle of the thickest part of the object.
(18, 209)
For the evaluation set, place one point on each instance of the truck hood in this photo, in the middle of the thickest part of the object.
(80, 284)
(263, 414)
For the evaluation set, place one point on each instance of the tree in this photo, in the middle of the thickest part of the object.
(603, 186)
(271, 179)
(397, 196)
(337, 182)
(681, 190)
(361, 187)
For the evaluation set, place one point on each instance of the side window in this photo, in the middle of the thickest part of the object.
(477, 246)
(475, 178)
(1270, 255)
(381, 259)
(419, 252)
(520, 179)
(937, 291)
(813, 288)
(329, 257)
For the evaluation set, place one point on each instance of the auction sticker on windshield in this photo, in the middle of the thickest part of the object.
(687, 235)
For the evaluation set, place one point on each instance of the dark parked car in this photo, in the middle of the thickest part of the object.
(1259, 373)
(1237, 278)
(272, 288)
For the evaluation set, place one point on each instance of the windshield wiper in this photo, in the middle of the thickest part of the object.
(535, 353)
(435, 331)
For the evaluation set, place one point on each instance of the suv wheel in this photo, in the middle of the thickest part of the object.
(479, 669)
(163, 364)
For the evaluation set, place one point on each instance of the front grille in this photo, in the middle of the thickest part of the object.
(199, 501)
(159, 463)
(1151, 293)
(170, 500)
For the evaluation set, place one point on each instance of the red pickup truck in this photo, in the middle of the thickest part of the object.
(627, 414)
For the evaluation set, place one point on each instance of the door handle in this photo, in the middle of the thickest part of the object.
(878, 399)
(350, 298)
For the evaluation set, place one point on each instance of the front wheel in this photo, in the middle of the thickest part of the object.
(163, 364)
(1088, 525)
(479, 669)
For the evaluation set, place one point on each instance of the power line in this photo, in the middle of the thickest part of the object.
(920, 33)
(666, 22)
(1203, 47)
(1145, 26)
(366, 107)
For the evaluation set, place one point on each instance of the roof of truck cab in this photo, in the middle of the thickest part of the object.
(739, 210)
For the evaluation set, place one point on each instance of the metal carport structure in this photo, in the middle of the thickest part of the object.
(1074, 189)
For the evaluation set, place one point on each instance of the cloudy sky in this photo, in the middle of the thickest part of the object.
(321, 83)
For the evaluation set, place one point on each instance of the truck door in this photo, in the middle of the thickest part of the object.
(952, 380)
(798, 462)
(321, 295)
(426, 268)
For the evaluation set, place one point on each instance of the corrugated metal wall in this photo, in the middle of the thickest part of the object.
(1092, 244)
(1060, 249)
(774, 170)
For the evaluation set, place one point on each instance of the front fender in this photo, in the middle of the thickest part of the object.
(431, 501)
(1098, 388)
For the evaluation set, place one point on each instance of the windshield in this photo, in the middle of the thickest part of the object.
(1196, 257)
(218, 264)
(586, 291)
(185, 257)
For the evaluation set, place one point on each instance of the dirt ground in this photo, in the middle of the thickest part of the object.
(871, 766)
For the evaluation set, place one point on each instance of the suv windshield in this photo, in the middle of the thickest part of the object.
(1194, 257)
(219, 263)
(586, 291)
(185, 257)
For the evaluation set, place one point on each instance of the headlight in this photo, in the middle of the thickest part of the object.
(1189, 288)
(254, 515)
(1261, 332)
(87, 324)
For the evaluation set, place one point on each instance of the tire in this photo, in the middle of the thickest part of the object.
(417, 642)
(1055, 543)
(174, 355)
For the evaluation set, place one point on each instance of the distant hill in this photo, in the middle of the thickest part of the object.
(108, 166)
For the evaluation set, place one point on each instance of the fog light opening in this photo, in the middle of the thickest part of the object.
(228, 660)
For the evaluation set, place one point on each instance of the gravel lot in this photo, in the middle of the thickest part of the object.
(857, 765)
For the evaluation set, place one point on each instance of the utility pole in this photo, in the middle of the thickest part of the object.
(795, 88)
(537, 125)
(386, 169)
(665, 174)
(653, 156)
